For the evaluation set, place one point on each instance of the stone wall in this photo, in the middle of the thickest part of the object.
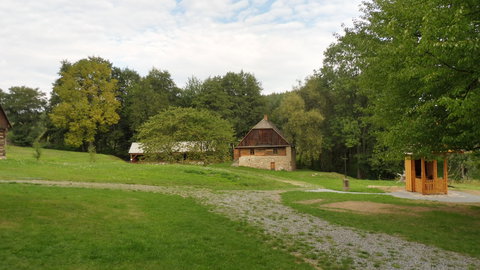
(286, 162)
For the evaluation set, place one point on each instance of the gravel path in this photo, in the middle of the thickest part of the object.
(306, 236)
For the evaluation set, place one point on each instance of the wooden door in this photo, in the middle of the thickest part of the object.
(272, 166)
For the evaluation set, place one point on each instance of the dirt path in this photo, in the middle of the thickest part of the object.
(306, 236)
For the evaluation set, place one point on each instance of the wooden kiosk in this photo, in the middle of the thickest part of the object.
(426, 177)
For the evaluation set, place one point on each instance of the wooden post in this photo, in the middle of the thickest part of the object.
(445, 173)
(414, 176)
(408, 167)
(424, 176)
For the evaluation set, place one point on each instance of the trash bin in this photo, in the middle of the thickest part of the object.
(346, 184)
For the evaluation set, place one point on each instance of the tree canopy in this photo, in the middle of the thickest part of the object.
(151, 95)
(204, 133)
(24, 107)
(301, 127)
(235, 97)
(87, 100)
(419, 67)
(404, 78)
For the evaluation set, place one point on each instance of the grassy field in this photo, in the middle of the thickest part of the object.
(327, 180)
(449, 226)
(74, 166)
(73, 228)
(465, 185)
(60, 228)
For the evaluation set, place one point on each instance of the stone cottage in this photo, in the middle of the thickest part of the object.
(265, 147)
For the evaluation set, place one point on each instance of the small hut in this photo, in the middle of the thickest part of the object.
(426, 177)
(265, 147)
(4, 126)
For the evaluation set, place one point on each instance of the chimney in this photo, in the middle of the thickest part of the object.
(265, 117)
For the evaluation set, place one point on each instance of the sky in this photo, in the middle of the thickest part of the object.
(281, 42)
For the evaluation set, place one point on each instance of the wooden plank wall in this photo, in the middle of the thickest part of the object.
(281, 151)
(3, 135)
(409, 175)
(263, 137)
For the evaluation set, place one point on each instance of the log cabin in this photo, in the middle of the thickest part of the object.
(265, 147)
(4, 126)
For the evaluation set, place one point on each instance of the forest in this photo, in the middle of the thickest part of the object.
(403, 79)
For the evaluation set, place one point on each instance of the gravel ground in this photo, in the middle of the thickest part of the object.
(306, 236)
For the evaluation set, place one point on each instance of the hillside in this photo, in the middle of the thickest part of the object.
(59, 165)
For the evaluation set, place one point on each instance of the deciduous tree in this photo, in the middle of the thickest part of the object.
(302, 127)
(235, 97)
(419, 62)
(24, 107)
(207, 135)
(151, 95)
(87, 100)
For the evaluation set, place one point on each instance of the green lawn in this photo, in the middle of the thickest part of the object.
(74, 166)
(329, 180)
(73, 228)
(465, 185)
(448, 226)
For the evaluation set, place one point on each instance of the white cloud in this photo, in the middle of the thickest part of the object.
(280, 41)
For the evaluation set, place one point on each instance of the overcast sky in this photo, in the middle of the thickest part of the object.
(280, 42)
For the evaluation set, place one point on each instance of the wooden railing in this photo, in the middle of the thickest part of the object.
(431, 186)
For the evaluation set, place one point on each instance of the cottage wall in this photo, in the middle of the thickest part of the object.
(267, 151)
(4, 125)
(3, 143)
(270, 162)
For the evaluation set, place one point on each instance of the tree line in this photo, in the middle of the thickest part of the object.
(403, 79)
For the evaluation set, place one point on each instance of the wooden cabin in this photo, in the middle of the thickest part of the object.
(265, 147)
(426, 177)
(4, 126)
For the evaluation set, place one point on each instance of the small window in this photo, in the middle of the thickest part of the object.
(275, 151)
(252, 151)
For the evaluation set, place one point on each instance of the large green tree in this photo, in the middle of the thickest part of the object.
(24, 107)
(87, 100)
(301, 127)
(206, 135)
(235, 97)
(149, 96)
(117, 139)
(213, 97)
(419, 64)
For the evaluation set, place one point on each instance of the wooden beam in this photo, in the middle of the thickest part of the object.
(424, 176)
(445, 173)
